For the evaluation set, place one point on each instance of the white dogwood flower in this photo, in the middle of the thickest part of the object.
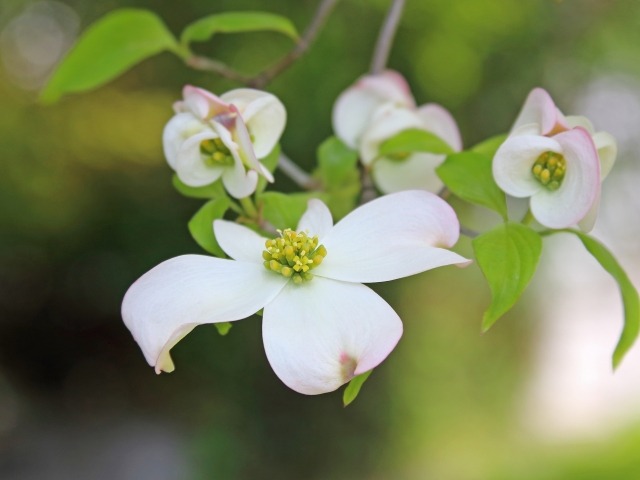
(355, 107)
(414, 170)
(378, 107)
(563, 180)
(214, 137)
(321, 326)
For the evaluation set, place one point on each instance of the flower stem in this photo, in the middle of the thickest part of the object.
(528, 218)
(385, 38)
(249, 208)
(295, 173)
(467, 232)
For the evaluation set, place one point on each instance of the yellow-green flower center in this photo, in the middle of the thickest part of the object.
(549, 170)
(215, 153)
(293, 255)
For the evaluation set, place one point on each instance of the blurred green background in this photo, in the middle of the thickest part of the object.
(86, 206)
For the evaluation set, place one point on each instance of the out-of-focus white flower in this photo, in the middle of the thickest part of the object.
(558, 161)
(355, 107)
(378, 107)
(214, 137)
(415, 170)
(321, 326)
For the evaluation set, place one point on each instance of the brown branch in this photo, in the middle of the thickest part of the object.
(267, 75)
(320, 17)
(385, 38)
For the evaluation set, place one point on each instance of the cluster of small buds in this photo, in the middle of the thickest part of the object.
(293, 255)
(549, 170)
(216, 153)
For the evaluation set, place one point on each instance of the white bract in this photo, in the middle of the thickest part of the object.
(321, 326)
(558, 161)
(214, 137)
(378, 107)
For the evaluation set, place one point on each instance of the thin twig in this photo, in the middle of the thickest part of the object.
(467, 232)
(385, 38)
(198, 62)
(295, 173)
(267, 75)
(378, 64)
(320, 17)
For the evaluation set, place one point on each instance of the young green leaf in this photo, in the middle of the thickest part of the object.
(283, 210)
(108, 48)
(271, 162)
(214, 190)
(489, 146)
(223, 327)
(508, 256)
(413, 140)
(236, 22)
(336, 162)
(468, 175)
(353, 388)
(201, 225)
(630, 298)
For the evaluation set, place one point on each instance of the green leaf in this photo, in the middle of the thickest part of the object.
(336, 162)
(271, 162)
(468, 175)
(630, 298)
(413, 140)
(342, 201)
(214, 190)
(108, 48)
(236, 22)
(283, 210)
(489, 146)
(201, 225)
(353, 388)
(223, 327)
(508, 256)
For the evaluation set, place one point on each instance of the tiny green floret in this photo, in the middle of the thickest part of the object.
(293, 255)
(215, 153)
(549, 169)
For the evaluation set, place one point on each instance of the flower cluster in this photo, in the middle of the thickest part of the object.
(321, 330)
(376, 108)
(214, 137)
(559, 161)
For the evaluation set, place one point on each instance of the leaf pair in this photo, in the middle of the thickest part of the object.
(126, 37)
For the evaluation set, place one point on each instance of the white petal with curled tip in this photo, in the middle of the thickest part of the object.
(388, 121)
(540, 109)
(263, 114)
(394, 236)
(202, 103)
(239, 182)
(176, 131)
(438, 120)
(316, 220)
(580, 121)
(189, 165)
(514, 160)
(169, 300)
(239, 242)
(607, 148)
(320, 334)
(246, 149)
(415, 172)
(580, 188)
